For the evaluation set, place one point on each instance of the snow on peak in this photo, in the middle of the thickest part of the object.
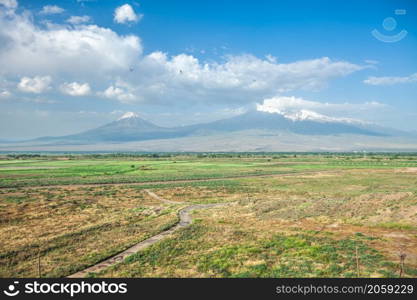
(305, 114)
(295, 109)
(129, 115)
(309, 115)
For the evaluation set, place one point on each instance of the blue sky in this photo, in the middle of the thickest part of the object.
(181, 62)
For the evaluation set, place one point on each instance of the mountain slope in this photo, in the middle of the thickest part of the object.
(274, 121)
(131, 128)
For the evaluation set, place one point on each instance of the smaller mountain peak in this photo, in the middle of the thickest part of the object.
(129, 115)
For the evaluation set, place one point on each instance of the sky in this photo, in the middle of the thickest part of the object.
(68, 66)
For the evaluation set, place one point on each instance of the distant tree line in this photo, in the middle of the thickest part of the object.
(200, 155)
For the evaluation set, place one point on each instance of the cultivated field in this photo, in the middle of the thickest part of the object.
(285, 215)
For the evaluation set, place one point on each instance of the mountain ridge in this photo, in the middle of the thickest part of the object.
(131, 127)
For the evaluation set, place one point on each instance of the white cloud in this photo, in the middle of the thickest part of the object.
(281, 104)
(251, 73)
(243, 78)
(52, 10)
(125, 14)
(122, 94)
(391, 80)
(76, 89)
(4, 93)
(10, 4)
(75, 20)
(81, 53)
(36, 85)
(300, 109)
(100, 56)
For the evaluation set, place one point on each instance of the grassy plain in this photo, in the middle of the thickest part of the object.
(321, 215)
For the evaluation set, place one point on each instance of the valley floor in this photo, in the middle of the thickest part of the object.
(308, 216)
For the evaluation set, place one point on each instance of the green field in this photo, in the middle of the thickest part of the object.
(289, 215)
(69, 170)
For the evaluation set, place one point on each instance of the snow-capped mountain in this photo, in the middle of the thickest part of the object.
(309, 115)
(298, 109)
(132, 128)
(129, 127)
(305, 122)
(128, 115)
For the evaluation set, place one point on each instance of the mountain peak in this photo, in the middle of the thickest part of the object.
(129, 115)
(309, 115)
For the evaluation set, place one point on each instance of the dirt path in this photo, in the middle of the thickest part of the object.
(185, 220)
(170, 181)
(155, 196)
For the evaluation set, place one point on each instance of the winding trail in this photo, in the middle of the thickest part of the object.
(184, 220)
(155, 196)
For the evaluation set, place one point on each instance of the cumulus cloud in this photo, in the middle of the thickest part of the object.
(119, 92)
(81, 52)
(36, 85)
(243, 78)
(51, 10)
(125, 14)
(76, 89)
(75, 20)
(100, 56)
(390, 80)
(251, 73)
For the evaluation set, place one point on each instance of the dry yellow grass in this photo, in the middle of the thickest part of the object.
(313, 212)
(73, 227)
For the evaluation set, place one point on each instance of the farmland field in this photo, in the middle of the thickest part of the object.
(286, 215)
